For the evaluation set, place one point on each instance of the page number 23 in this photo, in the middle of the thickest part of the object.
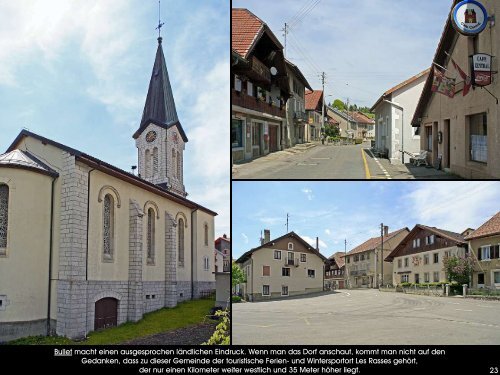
(493, 370)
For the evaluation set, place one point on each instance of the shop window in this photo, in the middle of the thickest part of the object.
(236, 133)
(478, 129)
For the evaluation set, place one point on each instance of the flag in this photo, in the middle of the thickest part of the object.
(465, 77)
(443, 84)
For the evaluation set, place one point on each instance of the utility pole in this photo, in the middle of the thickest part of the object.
(348, 123)
(287, 216)
(285, 33)
(345, 263)
(323, 75)
(382, 255)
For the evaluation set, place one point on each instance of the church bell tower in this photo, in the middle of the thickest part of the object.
(160, 139)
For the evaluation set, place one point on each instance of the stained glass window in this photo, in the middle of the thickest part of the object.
(4, 214)
(151, 235)
(108, 227)
(180, 246)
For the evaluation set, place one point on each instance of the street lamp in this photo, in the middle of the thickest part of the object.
(402, 128)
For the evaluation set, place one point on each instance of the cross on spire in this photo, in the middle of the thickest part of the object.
(160, 24)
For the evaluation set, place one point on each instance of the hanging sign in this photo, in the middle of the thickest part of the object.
(481, 69)
(469, 17)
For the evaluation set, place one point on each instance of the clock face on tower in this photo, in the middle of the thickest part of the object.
(151, 136)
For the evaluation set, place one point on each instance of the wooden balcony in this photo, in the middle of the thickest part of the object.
(249, 102)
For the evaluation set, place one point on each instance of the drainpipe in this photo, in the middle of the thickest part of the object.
(51, 247)
(88, 213)
(192, 253)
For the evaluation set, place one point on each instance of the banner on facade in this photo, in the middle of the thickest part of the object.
(481, 69)
(442, 84)
(465, 77)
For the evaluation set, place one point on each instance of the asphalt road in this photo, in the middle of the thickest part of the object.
(322, 162)
(332, 163)
(367, 317)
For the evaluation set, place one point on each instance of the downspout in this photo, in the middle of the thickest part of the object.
(51, 247)
(88, 213)
(192, 253)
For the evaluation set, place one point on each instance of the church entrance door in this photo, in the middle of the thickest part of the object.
(106, 313)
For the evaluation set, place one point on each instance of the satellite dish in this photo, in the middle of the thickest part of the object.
(274, 71)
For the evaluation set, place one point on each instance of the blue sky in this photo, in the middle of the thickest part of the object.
(78, 72)
(364, 46)
(334, 211)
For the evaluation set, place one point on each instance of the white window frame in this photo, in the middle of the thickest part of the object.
(426, 259)
(314, 274)
(268, 290)
(287, 291)
(433, 257)
(497, 285)
(206, 263)
(290, 245)
(289, 272)
(305, 257)
(427, 277)
(277, 252)
(485, 247)
(434, 276)
(407, 262)
(249, 88)
(400, 263)
(238, 84)
(405, 278)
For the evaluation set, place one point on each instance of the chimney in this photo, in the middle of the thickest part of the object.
(317, 243)
(267, 235)
(224, 235)
(386, 231)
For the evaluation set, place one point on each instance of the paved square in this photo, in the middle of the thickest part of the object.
(367, 317)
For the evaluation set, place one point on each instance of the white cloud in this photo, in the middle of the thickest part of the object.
(309, 193)
(312, 241)
(245, 237)
(454, 206)
(328, 232)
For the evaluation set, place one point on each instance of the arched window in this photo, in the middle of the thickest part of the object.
(179, 165)
(180, 245)
(173, 163)
(155, 161)
(151, 236)
(4, 216)
(108, 227)
(206, 234)
(147, 163)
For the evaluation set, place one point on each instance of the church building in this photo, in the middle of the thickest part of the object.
(85, 245)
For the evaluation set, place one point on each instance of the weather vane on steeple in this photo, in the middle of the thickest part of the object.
(160, 24)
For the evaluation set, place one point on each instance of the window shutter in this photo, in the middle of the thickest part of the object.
(479, 255)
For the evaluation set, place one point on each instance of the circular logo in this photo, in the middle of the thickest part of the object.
(151, 136)
(469, 17)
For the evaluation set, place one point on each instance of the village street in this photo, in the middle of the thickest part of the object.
(327, 162)
(367, 317)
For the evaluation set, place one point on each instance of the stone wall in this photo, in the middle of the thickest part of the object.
(156, 292)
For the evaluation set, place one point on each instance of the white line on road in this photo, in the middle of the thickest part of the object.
(463, 310)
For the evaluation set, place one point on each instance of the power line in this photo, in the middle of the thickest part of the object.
(301, 16)
(296, 16)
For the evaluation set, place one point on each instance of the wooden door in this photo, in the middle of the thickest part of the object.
(273, 138)
(106, 313)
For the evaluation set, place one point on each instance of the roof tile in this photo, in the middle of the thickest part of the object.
(491, 227)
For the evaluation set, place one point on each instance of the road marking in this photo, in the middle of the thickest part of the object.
(307, 165)
(387, 175)
(367, 170)
(321, 158)
(420, 308)
(463, 310)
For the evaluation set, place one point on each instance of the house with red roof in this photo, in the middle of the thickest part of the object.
(314, 112)
(463, 130)
(335, 272)
(419, 256)
(393, 113)
(364, 262)
(294, 131)
(484, 244)
(259, 88)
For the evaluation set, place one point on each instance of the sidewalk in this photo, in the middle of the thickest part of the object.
(297, 149)
(410, 172)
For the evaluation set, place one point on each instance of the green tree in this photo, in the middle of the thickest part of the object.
(332, 131)
(339, 104)
(459, 268)
(237, 275)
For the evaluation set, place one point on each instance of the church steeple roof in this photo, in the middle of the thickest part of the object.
(160, 105)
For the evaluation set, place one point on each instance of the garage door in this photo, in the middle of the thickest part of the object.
(106, 313)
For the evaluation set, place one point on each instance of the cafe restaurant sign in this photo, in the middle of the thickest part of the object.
(481, 69)
(469, 17)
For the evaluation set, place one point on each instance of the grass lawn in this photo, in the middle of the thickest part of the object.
(183, 315)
